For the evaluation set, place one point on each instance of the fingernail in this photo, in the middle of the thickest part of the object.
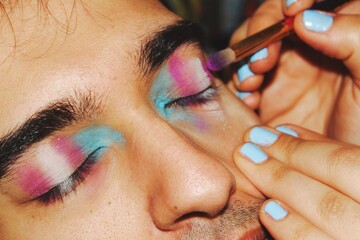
(244, 72)
(259, 55)
(243, 95)
(275, 210)
(317, 21)
(254, 153)
(287, 131)
(262, 136)
(290, 2)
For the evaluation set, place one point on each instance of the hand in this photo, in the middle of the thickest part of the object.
(313, 179)
(317, 89)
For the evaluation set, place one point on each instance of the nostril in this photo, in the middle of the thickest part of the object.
(193, 215)
(199, 214)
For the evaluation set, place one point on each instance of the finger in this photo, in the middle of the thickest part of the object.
(284, 223)
(293, 7)
(337, 165)
(334, 35)
(251, 99)
(265, 59)
(331, 211)
(303, 133)
(245, 79)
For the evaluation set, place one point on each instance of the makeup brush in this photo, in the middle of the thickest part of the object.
(274, 33)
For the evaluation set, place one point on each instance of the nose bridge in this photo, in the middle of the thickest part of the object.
(184, 180)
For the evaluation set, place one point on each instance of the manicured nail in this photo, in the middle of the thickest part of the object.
(259, 55)
(262, 136)
(290, 2)
(287, 131)
(275, 210)
(254, 153)
(243, 95)
(244, 72)
(317, 21)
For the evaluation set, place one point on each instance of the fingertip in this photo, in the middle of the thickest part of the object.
(251, 99)
(287, 130)
(293, 7)
(248, 85)
(273, 210)
(264, 60)
(304, 133)
(272, 215)
(315, 28)
(261, 135)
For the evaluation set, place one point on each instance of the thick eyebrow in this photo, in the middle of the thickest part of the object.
(54, 117)
(154, 50)
(157, 48)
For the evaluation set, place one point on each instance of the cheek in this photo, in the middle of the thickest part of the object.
(220, 131)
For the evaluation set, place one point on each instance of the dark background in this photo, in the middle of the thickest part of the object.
(218, 18)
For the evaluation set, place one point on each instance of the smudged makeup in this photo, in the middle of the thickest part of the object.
(60, 165)
(184, 89)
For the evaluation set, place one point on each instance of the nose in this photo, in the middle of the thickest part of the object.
(185, 182)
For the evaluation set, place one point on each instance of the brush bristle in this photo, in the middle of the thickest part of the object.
(221, 59)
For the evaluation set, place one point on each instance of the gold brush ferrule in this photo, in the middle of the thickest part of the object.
(263, 38)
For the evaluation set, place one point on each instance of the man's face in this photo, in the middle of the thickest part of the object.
(113, 129)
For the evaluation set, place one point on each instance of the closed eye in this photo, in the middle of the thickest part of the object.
(205, 96)
(69, 185)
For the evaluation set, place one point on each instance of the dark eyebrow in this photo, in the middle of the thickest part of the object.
(55, 116)
(156, 48)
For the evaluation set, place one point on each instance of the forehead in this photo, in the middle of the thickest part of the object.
(75, 47)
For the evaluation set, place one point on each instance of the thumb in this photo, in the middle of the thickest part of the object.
(337, 36)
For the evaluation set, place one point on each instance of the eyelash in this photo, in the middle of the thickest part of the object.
(68, 186)
(207, 95)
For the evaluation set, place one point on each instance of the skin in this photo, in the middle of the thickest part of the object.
(167, 179)
(321, 82)
(320, 171)
(312, 81)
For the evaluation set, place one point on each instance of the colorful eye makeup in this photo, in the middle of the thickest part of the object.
(185, 83)
(189, 75)
(61, 163)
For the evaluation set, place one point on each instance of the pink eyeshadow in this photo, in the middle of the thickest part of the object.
(72, 152)
(185, 73)
(33, 182)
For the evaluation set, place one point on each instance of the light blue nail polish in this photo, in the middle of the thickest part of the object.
(244, 72)
(259, 55)
(290, 2)
(287, 131)
(262, 136)
(254, 153)
(243, 95)
(275, 210)
(317, 21)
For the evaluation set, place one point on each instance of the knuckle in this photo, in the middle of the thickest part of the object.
(278, 174)
(288, 146)
(302, 232)
(331, 207)
(342, 159)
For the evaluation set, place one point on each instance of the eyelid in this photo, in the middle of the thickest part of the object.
(59, 191)
(72, 152)
(176, 100)
(204, 97)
